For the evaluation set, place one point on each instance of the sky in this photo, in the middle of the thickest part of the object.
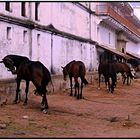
(136, 10)
(135, 4)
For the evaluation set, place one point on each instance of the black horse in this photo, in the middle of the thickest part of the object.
(75, 69)
(107, 68)
(29, 70)
(12, 62)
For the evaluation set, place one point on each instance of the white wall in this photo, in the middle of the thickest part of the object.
(41, 49)
(104, 37)
(133, 47)
(15, 10)
(52, 49)
(15, 45)
(70, 18)
(66, 50)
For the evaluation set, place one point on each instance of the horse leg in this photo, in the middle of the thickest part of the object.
(77, 86)
(108, 84)
(26, 91)
(124, 78)
(127, 79)
(78, 96)
(112, 85)
(81, 89)
(75, 90)
(45, 102)
(71, 86)
(17, 90)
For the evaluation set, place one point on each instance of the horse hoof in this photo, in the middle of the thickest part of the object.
(45, 111)
(42, 109)
(81, 97)
(15, 102)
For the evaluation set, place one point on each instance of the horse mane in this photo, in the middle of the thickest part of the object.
(68, 65)
(18, 59)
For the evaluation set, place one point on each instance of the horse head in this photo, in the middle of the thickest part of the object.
(65, 73)
(9, 64)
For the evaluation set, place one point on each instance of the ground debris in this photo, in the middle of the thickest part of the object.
(25, 117)
(4, 102)
(19, 133)
(3, 126)
(129, 124)
(113, 119)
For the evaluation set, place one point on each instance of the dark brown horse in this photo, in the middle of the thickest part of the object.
(125, 70)
(75, 69)
(107, 69)
(29, 70)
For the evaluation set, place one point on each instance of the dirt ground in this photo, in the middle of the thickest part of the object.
(99, 115)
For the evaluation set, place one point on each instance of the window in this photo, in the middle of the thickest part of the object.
(38, 39)
(7, 6)
(23, 9)
(9, 34)
(37, 10)
(24, 36)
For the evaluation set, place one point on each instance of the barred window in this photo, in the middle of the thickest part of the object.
(38, 39)
(24, 36)
(7, 6)
(37, 10)
(23, 9)
(9, 33)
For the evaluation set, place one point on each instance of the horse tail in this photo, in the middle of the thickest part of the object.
(84, 81)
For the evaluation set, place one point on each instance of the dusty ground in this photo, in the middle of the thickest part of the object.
(100, 114)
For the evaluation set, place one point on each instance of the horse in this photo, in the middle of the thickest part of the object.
(125, 70)
(29, 70)
(75, 69)
(137, 68)
(107, 69)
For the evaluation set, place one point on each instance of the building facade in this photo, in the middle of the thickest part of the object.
(57, 32)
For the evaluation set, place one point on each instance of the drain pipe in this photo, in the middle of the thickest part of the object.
(30, 31)
(52, 70)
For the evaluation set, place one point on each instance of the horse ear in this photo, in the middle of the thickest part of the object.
(62, 67)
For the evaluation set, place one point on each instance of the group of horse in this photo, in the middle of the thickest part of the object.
(39, 75)
(110, 69)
